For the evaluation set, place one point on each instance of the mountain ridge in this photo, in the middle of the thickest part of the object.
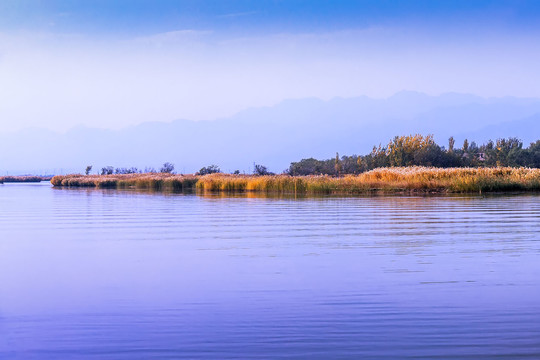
(274, 135)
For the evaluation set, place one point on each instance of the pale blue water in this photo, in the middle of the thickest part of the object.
(91, 274)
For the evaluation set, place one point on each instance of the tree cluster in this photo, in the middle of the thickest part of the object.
(418, 150)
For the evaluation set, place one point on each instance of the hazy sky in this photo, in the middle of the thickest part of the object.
(112, 64)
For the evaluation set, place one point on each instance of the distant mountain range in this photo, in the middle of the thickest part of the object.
(274, 136)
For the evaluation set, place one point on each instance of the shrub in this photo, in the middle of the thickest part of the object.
(167, 168)
(212, 169)
(107, 170)
(261, 170)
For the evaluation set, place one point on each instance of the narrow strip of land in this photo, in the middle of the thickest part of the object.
(394, 179)
(22, 179)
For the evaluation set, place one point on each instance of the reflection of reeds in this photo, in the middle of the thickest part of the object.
(18, 179)
(382, 179)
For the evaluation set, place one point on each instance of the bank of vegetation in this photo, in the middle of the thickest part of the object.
(153, 181)
(396, 179)
(412, 163)
(22, 179)
(418, 150)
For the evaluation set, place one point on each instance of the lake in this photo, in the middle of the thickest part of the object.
(106, 274)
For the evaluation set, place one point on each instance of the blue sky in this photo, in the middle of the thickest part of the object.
(129, 17)
(112, 64)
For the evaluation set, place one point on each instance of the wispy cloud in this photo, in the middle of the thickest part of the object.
(173, 37)
(238, 14)
(176, 34)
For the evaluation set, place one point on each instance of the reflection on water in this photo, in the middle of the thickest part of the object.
(110, 274)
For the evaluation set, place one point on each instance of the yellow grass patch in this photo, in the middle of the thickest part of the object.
(423, 179)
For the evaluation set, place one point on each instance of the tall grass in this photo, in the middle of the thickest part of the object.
(19, 179)
(412, 179)
(398, 179)
(153, 181)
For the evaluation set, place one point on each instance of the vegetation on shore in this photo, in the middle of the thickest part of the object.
(413, 163)
(396, 179)
(155, 181)
(20, 179)
(418, 150)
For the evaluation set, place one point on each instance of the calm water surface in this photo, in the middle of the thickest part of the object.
(91, 274)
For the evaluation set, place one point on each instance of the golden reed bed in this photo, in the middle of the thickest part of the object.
(412, 179)
(156, 181)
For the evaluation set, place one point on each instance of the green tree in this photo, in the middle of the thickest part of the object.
(337, 165)
(533, 155)
(409, 150)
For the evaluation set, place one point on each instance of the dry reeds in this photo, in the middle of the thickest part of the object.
(20, 179)
(152, 181)
(420, 179)
(410, 179)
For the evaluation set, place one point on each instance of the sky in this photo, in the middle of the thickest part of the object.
(113, 64)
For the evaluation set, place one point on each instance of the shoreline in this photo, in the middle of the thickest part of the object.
(24, 179)
(407, 180)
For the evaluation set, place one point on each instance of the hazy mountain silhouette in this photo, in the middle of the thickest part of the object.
(273, 136)
(527, 129)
